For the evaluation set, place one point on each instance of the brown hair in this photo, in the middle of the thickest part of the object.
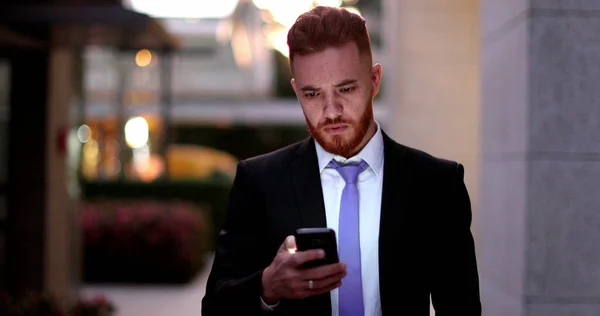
(324, 27)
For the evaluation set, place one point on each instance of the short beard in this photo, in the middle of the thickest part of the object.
(337, 145)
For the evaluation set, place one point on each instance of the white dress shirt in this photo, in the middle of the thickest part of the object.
(370, 184)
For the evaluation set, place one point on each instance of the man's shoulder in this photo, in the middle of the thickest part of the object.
(426, 162)
(276, 159)
(428, 159)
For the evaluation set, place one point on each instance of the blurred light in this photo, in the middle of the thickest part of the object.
(91, 158)
(224, 31)
(112, 148)
(264, 4)
(240, 43)
(353, 10)
(330, 3)
(141, 158)
(112, 167)
(278, 41)
(84, 133)
(198, 9)
(350, 2)
(91, 151)
(136, 132)
(156, 167)
(143, 58)
(266, 16)
(286, 12)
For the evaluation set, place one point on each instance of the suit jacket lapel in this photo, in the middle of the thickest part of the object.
(308, 191)
(396, 180)
(307, 186)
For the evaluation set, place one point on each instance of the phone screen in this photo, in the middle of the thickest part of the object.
(318, 238)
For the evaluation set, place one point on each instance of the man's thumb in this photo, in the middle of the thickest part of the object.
(290, 244)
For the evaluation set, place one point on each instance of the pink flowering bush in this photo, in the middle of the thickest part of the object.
(39, 304)
(30, 304)
(97, 306)
(140, 241)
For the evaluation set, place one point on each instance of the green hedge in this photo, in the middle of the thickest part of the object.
(210, 194)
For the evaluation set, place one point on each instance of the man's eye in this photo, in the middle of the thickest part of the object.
(310, 94)
(347, 89)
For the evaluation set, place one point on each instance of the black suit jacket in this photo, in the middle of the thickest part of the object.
(425, 243)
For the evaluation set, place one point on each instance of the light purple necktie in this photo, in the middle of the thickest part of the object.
(350, 293)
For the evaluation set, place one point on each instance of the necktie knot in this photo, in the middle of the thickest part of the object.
(349, 172)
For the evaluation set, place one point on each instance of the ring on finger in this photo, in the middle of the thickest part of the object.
(310, 284)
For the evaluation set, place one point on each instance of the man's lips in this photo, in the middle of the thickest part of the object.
(335, 128)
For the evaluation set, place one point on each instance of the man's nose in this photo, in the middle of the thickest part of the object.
(333, 109)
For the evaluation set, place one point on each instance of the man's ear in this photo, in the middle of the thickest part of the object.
(293, 82)
(376, 74)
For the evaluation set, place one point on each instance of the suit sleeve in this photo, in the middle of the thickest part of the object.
(234, 283)
(455, 281)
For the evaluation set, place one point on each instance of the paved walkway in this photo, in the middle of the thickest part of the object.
(155, 300)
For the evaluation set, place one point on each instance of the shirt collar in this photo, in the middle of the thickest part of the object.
(372, 154)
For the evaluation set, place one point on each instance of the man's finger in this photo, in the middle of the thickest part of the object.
(324, 271)
(301, 257)
(289, 244)
(326, 283)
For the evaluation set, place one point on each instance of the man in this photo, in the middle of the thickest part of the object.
(402, 217)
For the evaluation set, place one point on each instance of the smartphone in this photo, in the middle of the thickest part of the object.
(318, 238)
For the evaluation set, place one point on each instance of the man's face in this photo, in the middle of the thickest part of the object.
(335, 88)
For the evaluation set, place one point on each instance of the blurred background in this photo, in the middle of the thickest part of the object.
(122, 122)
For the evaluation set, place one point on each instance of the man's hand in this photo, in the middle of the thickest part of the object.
(285, 277)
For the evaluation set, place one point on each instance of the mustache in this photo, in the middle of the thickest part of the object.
(329, 121)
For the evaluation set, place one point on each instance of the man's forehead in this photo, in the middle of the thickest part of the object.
(348, 52)
(329, 66)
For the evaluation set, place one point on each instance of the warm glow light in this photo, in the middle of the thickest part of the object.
(285, 14)
(91, 159)
(278, 40)
(156, 167)
(136, 132)
(84, 133)
(353, 10)
(112, 167)
(91, 151)
(263, 4)
(350, 2)
(143, 58)
(197, 9)
(224, 31)
(330, 3)
(240, 44)
(141, 158)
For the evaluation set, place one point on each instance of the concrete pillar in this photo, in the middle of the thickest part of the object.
(539, 223)
(61, 248)
(432, 77)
